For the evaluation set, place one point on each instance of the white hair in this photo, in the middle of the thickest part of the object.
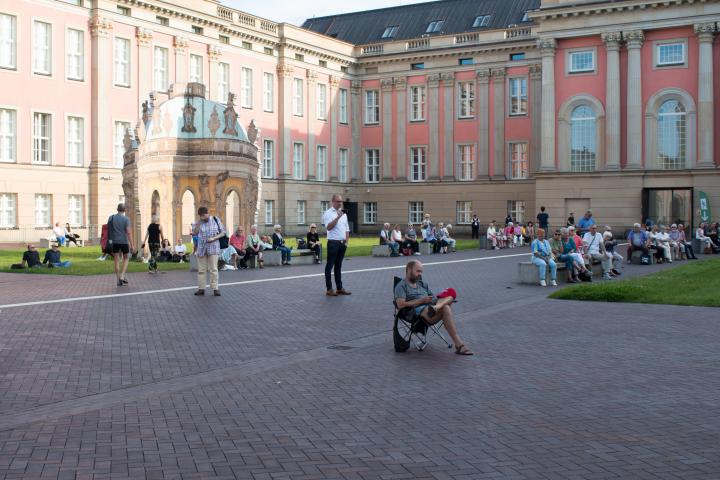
(636, 225)
(276, 227)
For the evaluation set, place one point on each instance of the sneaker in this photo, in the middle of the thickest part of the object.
(124, 281)
(543, 283)
(607, 277)
(553, 283)
(417, 253)
(616, 272)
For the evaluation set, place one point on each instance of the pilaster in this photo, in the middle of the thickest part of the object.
(386, 86)
(498, 77)
(705, 34)
(612, 100)
(634, 139)
(333, 154)
(535, 116)
(356, 113)
(311, 119)
(448, 81)
(433, 164)
(144, 38)
(483, 108)
(181, 64)
(284, 75)
(547, 48)
(214, 53)
(401, 121)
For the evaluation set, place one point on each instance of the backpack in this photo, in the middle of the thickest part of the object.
(224, 243)
(301, 244)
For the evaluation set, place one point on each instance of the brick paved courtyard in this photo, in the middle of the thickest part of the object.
(166, 385)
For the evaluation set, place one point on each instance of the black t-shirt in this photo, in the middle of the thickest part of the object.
(542, 219)
(154, 233)
(571, 221)
(32, 257)
(51, 256)
(313, 237)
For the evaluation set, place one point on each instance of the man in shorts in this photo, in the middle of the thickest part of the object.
(120, 234)
(413, 292)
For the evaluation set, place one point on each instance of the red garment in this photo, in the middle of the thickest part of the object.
(448, 292)
(104, 237)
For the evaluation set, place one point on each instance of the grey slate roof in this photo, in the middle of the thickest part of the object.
(361, 28)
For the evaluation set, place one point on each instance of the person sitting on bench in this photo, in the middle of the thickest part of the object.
(413, 292)
(386, 239)
(278, 243)
(313, 243)
(411, 242)
(52, 257)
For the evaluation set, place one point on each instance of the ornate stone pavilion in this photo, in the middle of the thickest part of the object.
(190, 144)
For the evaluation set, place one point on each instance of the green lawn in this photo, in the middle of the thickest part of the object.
(695, 283)
(84, 259)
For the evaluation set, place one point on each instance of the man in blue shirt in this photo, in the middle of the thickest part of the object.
(638, 239)
(586, 222)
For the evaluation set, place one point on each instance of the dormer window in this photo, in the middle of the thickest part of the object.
(390, 31)
(435, 26)
(481, 21)
(526, 17)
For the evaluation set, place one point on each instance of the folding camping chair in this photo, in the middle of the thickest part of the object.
(411, 329)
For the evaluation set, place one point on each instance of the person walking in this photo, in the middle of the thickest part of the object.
(338, 234)
(120, 237)
(153, 238)
(208, 231)
(475, 226)
(543, 219)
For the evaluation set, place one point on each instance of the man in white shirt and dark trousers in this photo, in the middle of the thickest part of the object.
(338, 233)
(595, 246)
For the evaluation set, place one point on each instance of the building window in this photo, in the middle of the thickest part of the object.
(417, 66)
(466, 157)
(372, 165)
(196, 68)
(516, 210)
(268, 92)
(418, 164)
(372, 107)
(434, 27)
(463, 212)
(514, 57)
(390, 31)
(583, 148)
(481, 21)
(301, 212)
(223, 81)
(269, 204)
(466, 61)
(246, 45)
(582, 61)
(197, 30)
(299, 57)
(75, 148)
(8, 41)
(42, 210)
(343, 103)
(322, 63)
(119, 147)
(75, 65)
(298, 159)
(370, 213)
(518, 96)
(417, 103)
(321, 101)
(164, 21)
(344, 69)
(160, 69)
(415, 212)
(671, 135)
(8, 212)
(42, 50)
(466, 100)
(123, 10)
(268, 159)
(246, 90)
(343, 165)
(298, 97)
(670, 54)
(321, 163)
(225, 40)
(75, 210)
(122, 62)
(8, 135)
(324, 207)
(42, 138)
(518, 161)
(269, 51)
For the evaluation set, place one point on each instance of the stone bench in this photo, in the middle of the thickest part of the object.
(528, 272)
(426, 248)
(47, 242)
(635, 257)
(303, 256)
(484, 244)
(381, 251)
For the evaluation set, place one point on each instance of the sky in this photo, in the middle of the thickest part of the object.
(296, 11)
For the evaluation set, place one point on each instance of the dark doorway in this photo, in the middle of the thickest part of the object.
(352, 215)
(667, 206)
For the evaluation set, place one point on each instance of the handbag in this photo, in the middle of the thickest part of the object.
(224, 241)
(644, 259)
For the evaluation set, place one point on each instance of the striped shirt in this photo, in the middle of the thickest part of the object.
(205, 231)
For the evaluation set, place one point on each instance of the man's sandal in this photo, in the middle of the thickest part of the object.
(463, 350)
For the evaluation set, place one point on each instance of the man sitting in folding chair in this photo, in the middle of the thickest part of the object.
(413, 292)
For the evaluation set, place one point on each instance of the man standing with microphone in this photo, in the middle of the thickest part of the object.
(338, 234)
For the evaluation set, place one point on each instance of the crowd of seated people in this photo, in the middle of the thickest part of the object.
(513, 234)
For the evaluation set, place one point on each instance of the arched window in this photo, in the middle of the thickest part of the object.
(583, 139)
(671, 135)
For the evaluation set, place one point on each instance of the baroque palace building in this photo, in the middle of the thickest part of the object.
(448, 107)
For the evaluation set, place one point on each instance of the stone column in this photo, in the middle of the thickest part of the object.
(101, 148)
(284, 74)
(433, 110)
(448, 80)
(401, 155)
(498, 76)
(535, 117)
(547, 155)
(333, 154)
(145, 62)
(483, 108)
(634, 41)
(705, 33)
(214, 53)
(386, 86)
(612, 100)
(311, 118)
(356, 113)
(181, 63)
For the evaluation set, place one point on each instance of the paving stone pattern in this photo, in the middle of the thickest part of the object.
(171, 386)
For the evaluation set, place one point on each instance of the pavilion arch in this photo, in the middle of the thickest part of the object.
(155, 205)
(188, 211)
(232, 211)
(564, 130)
(651, 126)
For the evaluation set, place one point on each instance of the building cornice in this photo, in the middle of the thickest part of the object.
(597, 8)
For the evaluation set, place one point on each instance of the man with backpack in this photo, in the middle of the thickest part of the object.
(120, 242)
(209, 232)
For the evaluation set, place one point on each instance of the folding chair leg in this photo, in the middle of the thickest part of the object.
(436, 330)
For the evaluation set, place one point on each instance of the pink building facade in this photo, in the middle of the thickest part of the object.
(571, 105)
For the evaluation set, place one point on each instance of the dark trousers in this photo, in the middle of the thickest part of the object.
(412, 245)
(475, 231)
(689, 253)
(632, 248)
(335, 255)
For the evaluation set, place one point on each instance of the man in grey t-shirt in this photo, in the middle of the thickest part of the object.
(120, 235)
(413, 292)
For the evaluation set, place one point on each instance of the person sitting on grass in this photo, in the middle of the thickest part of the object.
(180, 252)
(278, 243)
(386, 239)
(411, 242)
(689, 252)
(30, 259)
(166, 251)
(542, 258)
(313, 243)
(413, 292)
(52, 258)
